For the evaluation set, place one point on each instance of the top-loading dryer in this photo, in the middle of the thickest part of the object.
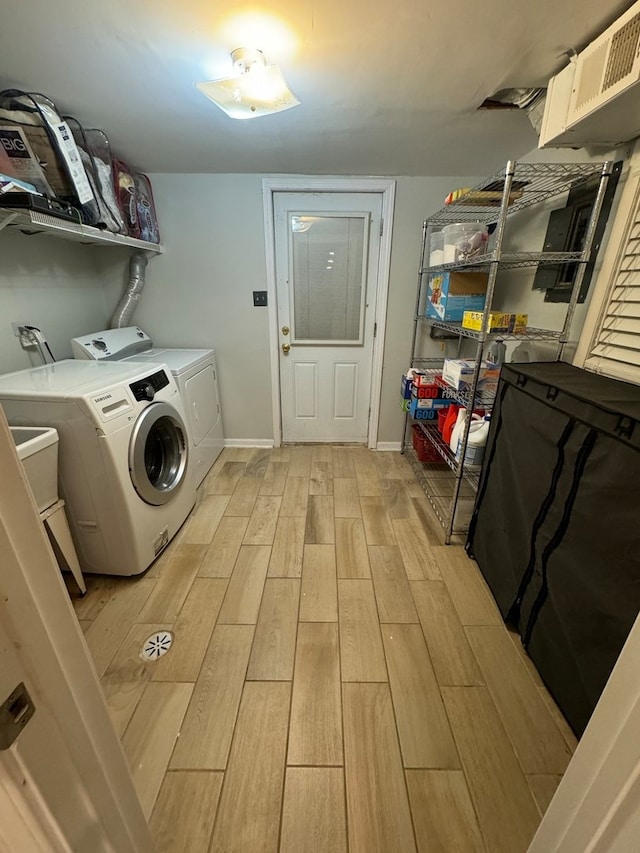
(123, 454)
(196, 376)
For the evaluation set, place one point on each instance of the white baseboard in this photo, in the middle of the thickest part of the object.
(389, 445)
(248, 442)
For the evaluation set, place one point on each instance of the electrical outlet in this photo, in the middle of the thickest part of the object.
(259, 298)
(17, 327)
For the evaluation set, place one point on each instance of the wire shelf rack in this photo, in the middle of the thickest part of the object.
(509, 261)
(482, 400)
(430, 431)
(438, 483)
(532, 183)
(531, 334)
(429, 365)
(525, 184)
(433, 368)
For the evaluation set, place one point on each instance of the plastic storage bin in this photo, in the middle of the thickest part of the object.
(436, 249)
(38, 451)
(425, 451)
(464, 240)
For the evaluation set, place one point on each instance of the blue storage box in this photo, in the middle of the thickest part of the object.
(418, 407)
(424, 414)
(407, 385)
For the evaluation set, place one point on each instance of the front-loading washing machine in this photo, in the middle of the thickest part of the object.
(196, 376)
(123, 454)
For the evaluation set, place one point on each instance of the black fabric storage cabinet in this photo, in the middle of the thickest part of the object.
(556, 524)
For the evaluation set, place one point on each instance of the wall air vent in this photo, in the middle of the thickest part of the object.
(589, 85)
(623, 53)
(598, 101)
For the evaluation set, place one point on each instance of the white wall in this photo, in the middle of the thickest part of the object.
(200, 292)
(416, 198)
(51, 284)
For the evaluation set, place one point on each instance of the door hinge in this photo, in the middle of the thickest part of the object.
(381, 227)
(375, 329)
(15, 713)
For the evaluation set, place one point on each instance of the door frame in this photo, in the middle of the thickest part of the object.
(385, 187)
(38, 619)
(596, 808)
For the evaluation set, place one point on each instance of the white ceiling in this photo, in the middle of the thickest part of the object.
(387, 88)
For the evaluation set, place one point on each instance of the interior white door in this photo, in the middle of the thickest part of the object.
(64, 776)
(327, 255)
(26, 821)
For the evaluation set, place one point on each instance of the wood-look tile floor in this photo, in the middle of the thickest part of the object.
(339, 679)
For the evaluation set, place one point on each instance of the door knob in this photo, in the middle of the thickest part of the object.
(286, 348)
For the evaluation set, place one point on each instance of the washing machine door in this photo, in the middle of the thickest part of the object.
(158, 454)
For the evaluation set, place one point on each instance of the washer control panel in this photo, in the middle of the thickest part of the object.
(146, 389)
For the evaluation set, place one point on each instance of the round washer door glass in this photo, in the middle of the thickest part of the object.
(158, 454)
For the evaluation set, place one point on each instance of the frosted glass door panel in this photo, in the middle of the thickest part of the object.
(328, 282)
(327, 246)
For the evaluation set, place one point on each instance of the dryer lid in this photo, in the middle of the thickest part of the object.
(179, 361)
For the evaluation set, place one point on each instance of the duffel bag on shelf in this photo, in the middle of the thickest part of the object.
(147, 218)
(43, 150)
(126, 196)
(98, 162)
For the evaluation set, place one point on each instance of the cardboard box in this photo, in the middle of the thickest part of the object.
(406, 388)
(417, 406)
(423, 414)
(450, 294)
(404, 405)
(428, 402)
(458, 373)
(505, 323)
(423, 378)
(432, 391)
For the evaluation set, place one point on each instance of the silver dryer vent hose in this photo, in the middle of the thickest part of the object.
(129, 300)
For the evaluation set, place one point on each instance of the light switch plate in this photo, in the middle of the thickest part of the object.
(260, 298)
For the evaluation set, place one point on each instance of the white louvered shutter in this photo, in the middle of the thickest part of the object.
(615, 349)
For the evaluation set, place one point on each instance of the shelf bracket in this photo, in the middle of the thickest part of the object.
(8, 220)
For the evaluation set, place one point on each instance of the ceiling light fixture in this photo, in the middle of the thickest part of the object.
(255, 89)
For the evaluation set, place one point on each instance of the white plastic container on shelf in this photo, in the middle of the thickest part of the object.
(436, 249)
(464, 240)
(476, 443)
(496, 353)
(476, 440)
(458, 429)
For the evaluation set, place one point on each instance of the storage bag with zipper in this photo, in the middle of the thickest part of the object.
(41, 145)
(126, 197)
(95, 152)
(555, 525)
(145, 209)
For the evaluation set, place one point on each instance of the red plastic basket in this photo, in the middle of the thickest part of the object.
(425, 451)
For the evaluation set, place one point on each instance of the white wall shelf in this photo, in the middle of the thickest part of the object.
(33, 222)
